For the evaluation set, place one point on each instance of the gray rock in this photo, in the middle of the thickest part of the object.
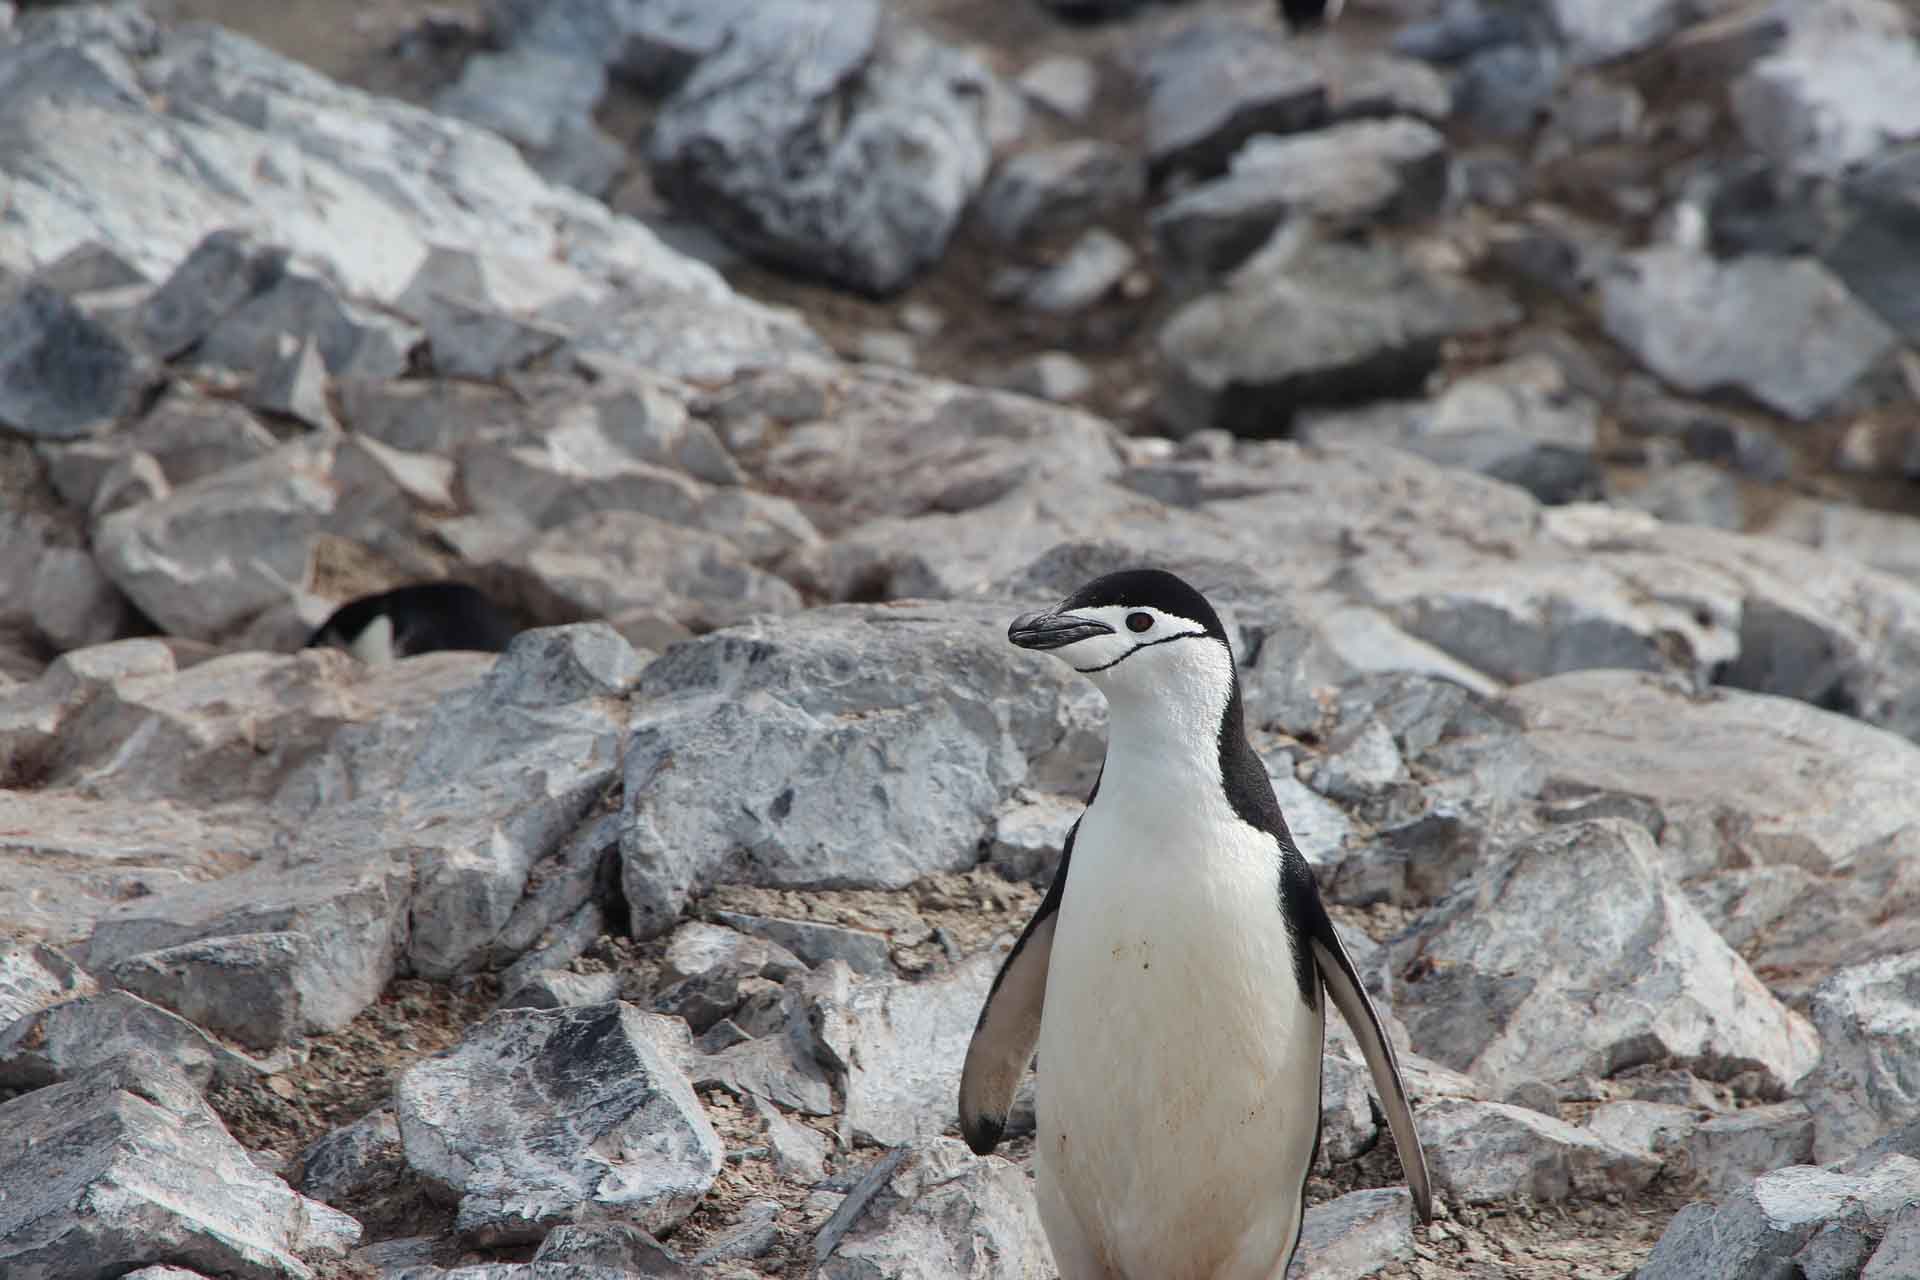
(836, 86)
(799, 1153)
(543, 101)
(1594, 897)
(293, 384)
(1062, 83)
(1505, 89)
(1306, 323)
(1089, 270)
(522, 1122)
(1781, 1216)
(1356, 1235)
(816, 943)
(1773, 812)
(1868, 1080)
(907, 445)
(1899, 1251)
(1691, 493)
(1217, 82)
(709, 970)
(63, 1040)
(223, 270)
(619, 1245)
(1481, 1152)
(558, 989)
(217, 551)
(192, 435)
(1879, 205)
(1367, 83)
(1344, 177)
(1519, 422)
(608, 563)
(563, 886)
(34, 977)
(242, 986)
(1729, 1151)
(345, 1165)
(897, 1048)
(89, 268)
(352, 340)
(125, 1164)
(931, 1211)
(752, 1235)
(1691, 320)
(62, 375)
(111, 167)
(1361, 763)
(73, 605)
(1655, 1128)
(1844, 85)
(1028, 835)
(1063, 187)
(793, 719)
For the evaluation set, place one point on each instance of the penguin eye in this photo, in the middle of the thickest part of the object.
(1139, 622)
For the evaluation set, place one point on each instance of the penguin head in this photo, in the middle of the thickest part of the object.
(1143, 636)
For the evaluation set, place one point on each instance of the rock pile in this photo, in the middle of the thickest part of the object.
(652, 945)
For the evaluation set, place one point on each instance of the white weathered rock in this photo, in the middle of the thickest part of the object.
(897, 1048)
(1868, 1080)
(34, 977)
(1093, 266)
(1655, 1128)
(547, 1117)
(856, 746)
(1844, 85)
(125, 1165)
(1782, 330)
(888, 126)
(1482, 1152)
(63, 1040)
(933, 1211)
(1576, 954)
(815, 942)
(1779, 1218)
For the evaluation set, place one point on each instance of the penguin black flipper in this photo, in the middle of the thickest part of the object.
(1308, 919)
(1008, 1031)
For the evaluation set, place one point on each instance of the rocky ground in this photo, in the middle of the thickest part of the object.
(1532, 384)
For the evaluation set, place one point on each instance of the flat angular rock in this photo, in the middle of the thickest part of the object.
(1780, 1217)
(1482, 1152)
(1354, 1236)
(1600, 936)
(63, 1040)
(1868, 1080)
(932, 1211)
(61, 374)
(1344, 176)
(355, 1159)
(311, 941)
(1090, 269)
(540, 1118)
(223, 270)
(776, 714)
(1217, 82)
(216, 552)
(126, 1164)
(898, 1047)
(1602, 30)
(1306, 323)
(833, 85)
(543, 100)
(816, 943)
(350, 339)
(1729, 1151)
(1676, 309)
(1063, 187)
(1899, 1251)
(241, 986)
(609, 563)
(1656, 1128)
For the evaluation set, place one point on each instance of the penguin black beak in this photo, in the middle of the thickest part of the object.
(1053, 630)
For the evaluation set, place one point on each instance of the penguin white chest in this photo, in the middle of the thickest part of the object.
(1179, 1080)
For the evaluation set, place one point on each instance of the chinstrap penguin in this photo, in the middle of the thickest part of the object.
(424, 618)
(1172, 981)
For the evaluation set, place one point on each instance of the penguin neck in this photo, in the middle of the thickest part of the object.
(1179, 737)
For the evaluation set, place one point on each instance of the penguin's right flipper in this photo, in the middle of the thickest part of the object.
(1009, 1028)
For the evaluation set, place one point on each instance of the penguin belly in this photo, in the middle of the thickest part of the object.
(1178, 1096)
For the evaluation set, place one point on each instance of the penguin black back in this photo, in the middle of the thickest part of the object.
(426, 617)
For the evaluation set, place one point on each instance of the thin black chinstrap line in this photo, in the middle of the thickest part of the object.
(1184, 635)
